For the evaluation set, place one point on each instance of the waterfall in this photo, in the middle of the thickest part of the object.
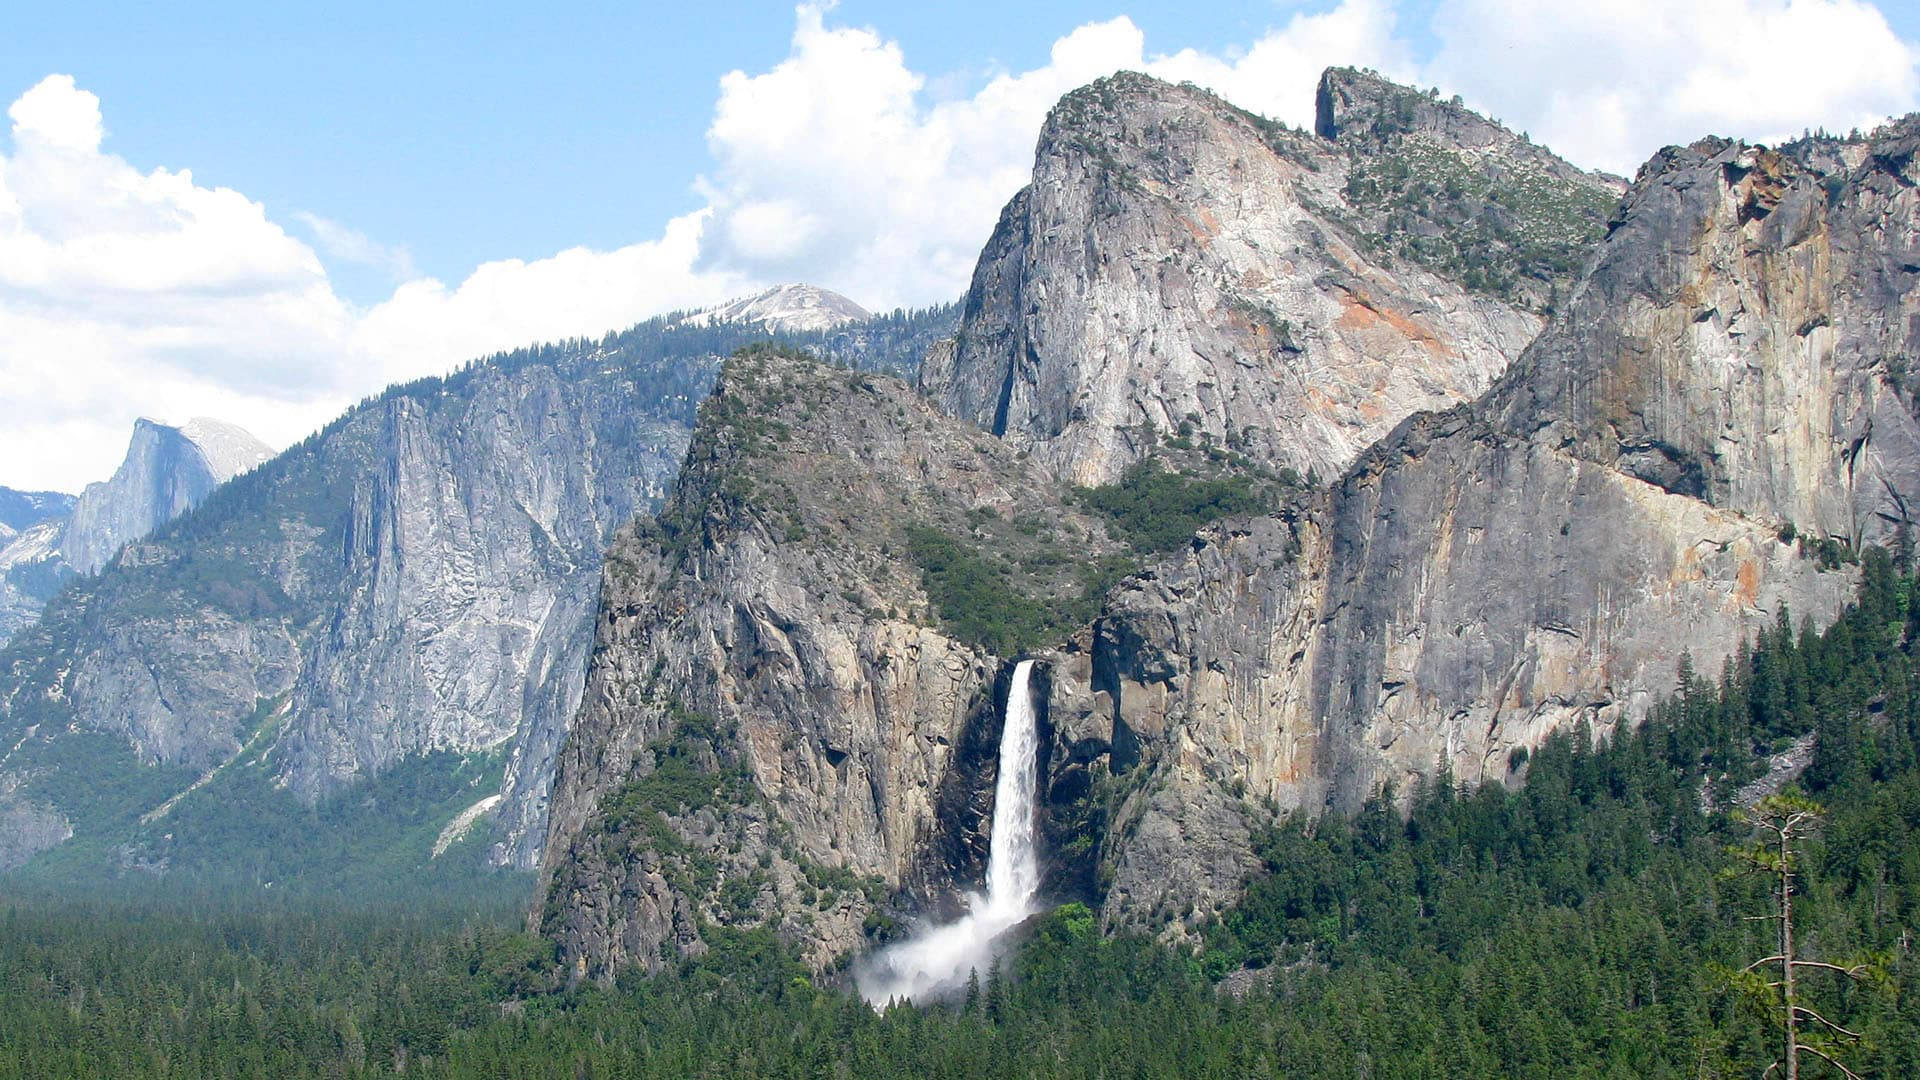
(938, 959)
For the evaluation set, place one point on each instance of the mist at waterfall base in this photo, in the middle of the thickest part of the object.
(936, 961)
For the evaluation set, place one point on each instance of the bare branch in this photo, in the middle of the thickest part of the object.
(1802, 1009)
(1858, 971)
(1774, 959)
(1824, 1056)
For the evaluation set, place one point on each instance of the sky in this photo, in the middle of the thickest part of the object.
(263, 213)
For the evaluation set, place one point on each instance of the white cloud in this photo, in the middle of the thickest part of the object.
(837, 167)
(124, 293)
(1607, 84)
(351, 245)
(427, 327)
(57, 114)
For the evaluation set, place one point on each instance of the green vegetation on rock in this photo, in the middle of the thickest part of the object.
(976, 591)
(1157, 510)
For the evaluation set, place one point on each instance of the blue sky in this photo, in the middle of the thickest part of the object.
(470, 131)
(263, 212)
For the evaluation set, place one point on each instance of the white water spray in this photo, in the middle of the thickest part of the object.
(937, 960)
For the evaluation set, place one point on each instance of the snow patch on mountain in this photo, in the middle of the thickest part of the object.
(228, 448)
(793, 308)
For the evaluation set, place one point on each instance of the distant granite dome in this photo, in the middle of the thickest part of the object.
(786, 309)
(229, 449)
(47, 537)
(167, 471)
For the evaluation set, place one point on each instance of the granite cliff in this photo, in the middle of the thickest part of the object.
(1698, 443)
(1181, 268)
(46, 539)
(1716, 414)
(783, 719)
(416, 582)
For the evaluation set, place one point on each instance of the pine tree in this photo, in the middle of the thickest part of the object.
(1784, 821)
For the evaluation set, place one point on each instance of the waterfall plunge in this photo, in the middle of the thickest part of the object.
(938, 959)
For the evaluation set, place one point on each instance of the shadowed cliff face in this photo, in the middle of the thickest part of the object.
(1180, 266)
(778, 728)
(418, 579)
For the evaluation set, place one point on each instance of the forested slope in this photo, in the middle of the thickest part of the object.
(1586, 924)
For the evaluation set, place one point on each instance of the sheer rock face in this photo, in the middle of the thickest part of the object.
(1748, 340)
(419, 577)
(45, 539)
(168, 471)
(1180, 265)
(773, 605)
(1543, 556)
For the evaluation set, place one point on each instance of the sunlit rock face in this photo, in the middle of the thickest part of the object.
(1509, 539)
(47, 538)
(168, 471)
(1179, 267)
(1543, 556)
(419, 578)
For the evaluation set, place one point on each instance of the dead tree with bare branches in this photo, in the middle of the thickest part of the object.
(1782, 822)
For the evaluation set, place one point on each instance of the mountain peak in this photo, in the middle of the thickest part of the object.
(1354, 105)
(791, 308)
(228, 449)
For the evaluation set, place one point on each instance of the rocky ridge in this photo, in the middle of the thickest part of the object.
(1179, 268)
(1716, 416)
(779, 723)
(21, 510)
(417, 579)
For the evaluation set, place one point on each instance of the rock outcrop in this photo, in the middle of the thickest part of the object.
(45, 538)
(1733, 360)
(779, 727)
(1733, 364)
(1181, 268)
(420, 577)
(167, 471)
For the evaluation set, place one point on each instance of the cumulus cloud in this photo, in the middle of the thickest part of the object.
(836, 166)
(125, 292)
(427, 326)
(1605, 85)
